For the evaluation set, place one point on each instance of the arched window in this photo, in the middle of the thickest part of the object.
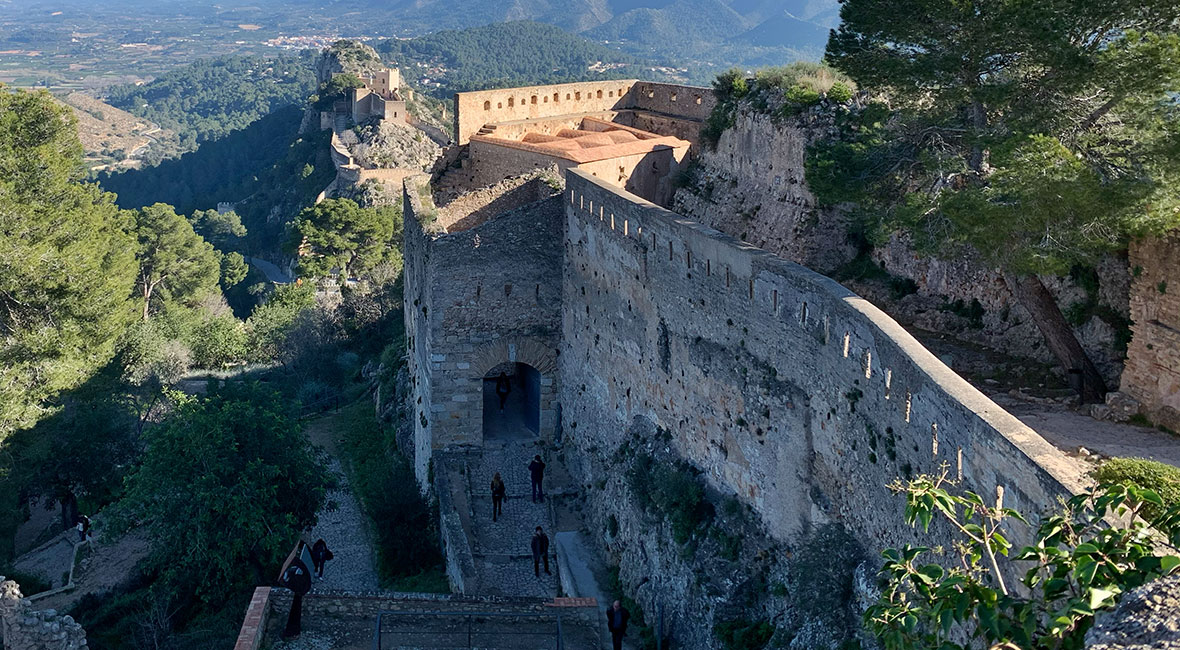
(487, 106)
(534, 100)
(511, 102)
(600, 94)
(697, 100)
(673, 96)
(556, 97)
(578, 95)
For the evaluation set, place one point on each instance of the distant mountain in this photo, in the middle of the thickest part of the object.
(785, 30)
(503, 55)
(695, 20)
(667, 31)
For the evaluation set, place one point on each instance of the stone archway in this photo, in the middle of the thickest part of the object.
(511, 402)
(530, 366)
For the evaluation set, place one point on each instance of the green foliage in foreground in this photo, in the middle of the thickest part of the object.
(1161, 478)
(1078, 565)
(66, 261)
(227, 481)
(672, 490)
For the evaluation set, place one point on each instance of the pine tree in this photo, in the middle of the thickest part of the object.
(66, 261)
(1036, 134)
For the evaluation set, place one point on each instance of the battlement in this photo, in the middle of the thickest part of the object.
(835, 397)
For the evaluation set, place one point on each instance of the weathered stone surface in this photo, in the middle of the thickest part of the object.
(23, 628)
(1153, 358)
(1147, 617)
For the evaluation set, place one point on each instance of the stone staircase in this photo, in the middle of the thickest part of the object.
(501, 549)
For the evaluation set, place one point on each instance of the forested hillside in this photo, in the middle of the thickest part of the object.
(262, 167)
(209, 98)
(505, 55)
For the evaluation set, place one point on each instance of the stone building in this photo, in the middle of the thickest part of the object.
(635, 135)
(1152, 374)
(381, 98)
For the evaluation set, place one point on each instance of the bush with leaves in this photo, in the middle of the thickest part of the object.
(1078, 565)
(1159, 477)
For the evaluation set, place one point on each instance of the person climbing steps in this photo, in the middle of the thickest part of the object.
(499, 493)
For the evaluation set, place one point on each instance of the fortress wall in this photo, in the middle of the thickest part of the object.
(492, 162)
(690, 102)
(419, 305)
(785, 388)
(474, 109)
(549, 126)
(469, 311)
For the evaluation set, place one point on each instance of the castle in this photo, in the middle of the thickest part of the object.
(380, 98)
(628, 327)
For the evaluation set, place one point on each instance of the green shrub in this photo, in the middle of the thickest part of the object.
(840, 92)
(674, 491)
(740, 634)
(731, 85)
(802, 96)
(1161, 478)
(29, 583)
(218, 342)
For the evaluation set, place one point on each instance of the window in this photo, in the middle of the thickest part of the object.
(578, 95)
(600, 94)
(673, 96)
(697, 100)
(511, 102)
(499, 104)
(487, 106)
(534, 100)
(556, 97)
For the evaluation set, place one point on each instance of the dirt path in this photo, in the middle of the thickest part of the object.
(342, 524)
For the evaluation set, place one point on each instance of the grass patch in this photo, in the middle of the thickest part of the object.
(405, 524)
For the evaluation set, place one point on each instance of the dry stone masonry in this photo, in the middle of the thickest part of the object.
(23, 628)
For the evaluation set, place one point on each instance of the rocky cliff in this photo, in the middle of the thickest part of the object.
(752, 186)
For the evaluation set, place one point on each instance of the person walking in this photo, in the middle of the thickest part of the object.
(499, 493)
(537, 474)
(83, 528)
(320, 556)
(503, 387)
(617, 618)
(540, 552)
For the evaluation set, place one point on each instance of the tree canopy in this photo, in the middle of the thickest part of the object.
(339, 235)
(67, 263)
(227, 481)
(175, 263)
(1036, 134)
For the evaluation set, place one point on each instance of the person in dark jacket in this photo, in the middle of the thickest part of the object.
(617, 618)
(503, 387)
(499, 492)
(540, 552)
(537, 473)
(320, 556)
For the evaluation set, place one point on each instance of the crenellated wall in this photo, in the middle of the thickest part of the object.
(786, 389)
(664, 108)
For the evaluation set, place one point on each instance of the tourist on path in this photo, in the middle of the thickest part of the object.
(540, 552)
(537, 473)
(320, 556)
(498, 494)
(83, 528)
(503, 387)
(617, 618)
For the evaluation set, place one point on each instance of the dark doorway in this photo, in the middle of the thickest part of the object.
(518, 387)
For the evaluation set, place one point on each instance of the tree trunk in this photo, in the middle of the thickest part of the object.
(69, 510)
(1032, 294)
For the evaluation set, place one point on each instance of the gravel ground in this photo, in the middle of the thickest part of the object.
(341, 524)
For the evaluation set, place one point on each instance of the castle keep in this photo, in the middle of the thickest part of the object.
(623, 326)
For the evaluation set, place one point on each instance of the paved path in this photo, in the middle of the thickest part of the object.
(270, 270)
(342, 523)
(502, 548)
(1067, 429)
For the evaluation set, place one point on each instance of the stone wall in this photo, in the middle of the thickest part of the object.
(677, 109)
(23, 628)
(469, 311)
(791, 393)
(1152, 375)
(475, 109)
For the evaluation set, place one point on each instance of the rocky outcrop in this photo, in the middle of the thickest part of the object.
(752, 186)
(390, 145)
(1147, 617)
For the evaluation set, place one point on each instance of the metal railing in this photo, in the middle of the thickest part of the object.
(469, 630)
